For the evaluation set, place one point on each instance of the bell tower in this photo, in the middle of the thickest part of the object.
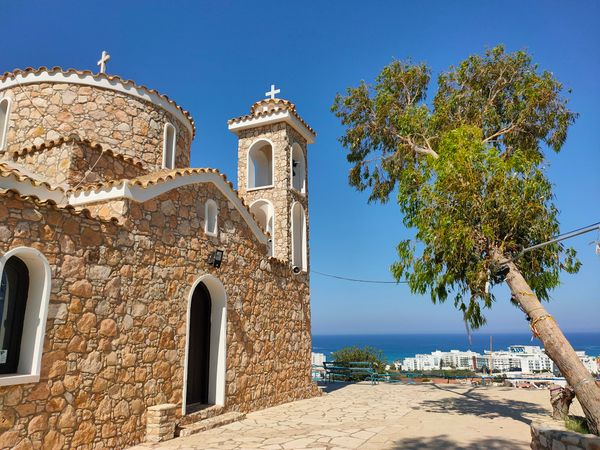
(273, 176)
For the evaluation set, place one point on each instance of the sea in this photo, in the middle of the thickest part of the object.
(399, 346)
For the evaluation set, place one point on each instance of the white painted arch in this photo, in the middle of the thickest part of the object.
(211, 218)
(169, 144)
(36, 314)
(299, 245)
(218, 340)
(298, 182)
(5, 106)
(264, 213)
(257, 162)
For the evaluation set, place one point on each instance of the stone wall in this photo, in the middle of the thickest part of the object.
(554, 436)
(127, 124)
(72, 163)
(116, 331)
(281, 195)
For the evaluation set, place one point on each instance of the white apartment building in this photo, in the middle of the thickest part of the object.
(527, 359)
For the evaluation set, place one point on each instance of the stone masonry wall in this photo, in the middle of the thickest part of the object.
(115, 335)
(281, 195)
(554, 436)
(76, 163)
(49, 111)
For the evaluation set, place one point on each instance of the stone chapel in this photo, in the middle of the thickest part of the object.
(138, 295)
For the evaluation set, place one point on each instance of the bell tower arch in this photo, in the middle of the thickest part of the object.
(272, 173)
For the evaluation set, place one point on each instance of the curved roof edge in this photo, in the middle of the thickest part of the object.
(147, 187)
(101, 80)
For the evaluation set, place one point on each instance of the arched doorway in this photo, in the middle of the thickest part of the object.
(198, 370)
(206, 287)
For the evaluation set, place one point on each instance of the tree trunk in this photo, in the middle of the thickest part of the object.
(558, 348)
(561, 399)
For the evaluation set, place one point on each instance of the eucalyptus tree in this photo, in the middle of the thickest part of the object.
(468, 173)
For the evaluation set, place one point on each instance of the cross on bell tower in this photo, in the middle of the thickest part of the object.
(103, 60)
(272, 92)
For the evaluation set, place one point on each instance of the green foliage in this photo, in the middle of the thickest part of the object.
(468, 172)
(356, 354)
(577, 424)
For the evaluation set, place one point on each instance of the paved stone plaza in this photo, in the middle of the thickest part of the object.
(385, 417)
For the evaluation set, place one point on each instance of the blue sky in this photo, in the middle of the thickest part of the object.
(215, 59)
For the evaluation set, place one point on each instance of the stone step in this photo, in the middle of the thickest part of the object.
(210, 423)
(202, 413)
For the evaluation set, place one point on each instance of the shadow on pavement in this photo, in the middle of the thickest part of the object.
(474, 403)
(446, 443)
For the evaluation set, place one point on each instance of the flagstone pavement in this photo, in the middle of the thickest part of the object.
(385, 416)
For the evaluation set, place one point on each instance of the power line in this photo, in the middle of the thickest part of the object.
(560, 237)
(357, 280)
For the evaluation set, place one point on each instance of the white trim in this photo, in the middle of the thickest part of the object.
(254, 144)
(169, 126)
(271, 244)
(126, 87)
(4, 129)
(36, 314)
(280, 116)
(10, 379)
(27, 188)
(269, 186)
(304, 255)
(218, 340)
(141, 194)
(305, 180)
(211, 202)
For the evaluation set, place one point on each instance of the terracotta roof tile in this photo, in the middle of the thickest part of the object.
(83, 212)
(161, 176)
(116, 78)
(6, 171)
(267, 107)
(77, 139)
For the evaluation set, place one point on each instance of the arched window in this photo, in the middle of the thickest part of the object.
(211, 213)
(299, 257)
(4, 118)
(14, 287)
(263, 212)
(169, 147)
(298, 169)
(24, 294)
(260, 165)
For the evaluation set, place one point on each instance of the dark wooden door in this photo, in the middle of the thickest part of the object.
(199, 348)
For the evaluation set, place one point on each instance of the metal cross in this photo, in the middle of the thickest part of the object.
(272, 92)
(103, 61)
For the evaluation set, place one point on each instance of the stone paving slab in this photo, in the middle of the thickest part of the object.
(384, 417)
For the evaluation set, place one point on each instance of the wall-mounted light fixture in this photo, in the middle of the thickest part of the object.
(215, 258)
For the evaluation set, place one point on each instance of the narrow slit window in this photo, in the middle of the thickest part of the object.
(169, 147)
(211, 218)
(4, 117)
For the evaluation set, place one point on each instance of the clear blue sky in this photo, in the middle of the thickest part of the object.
(215, 59)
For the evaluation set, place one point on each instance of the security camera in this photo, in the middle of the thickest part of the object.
(296, 269)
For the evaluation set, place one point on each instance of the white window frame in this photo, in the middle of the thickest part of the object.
(252, 146)
(4, 126)
(171, 151)
(209, 203)
(303, 264)
(36, 314)
(304, 181)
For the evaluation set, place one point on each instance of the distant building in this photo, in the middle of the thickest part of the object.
(527, 359)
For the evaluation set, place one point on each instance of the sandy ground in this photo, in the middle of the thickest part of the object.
(386, 416)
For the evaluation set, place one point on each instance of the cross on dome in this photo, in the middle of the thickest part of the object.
(272, 92)
(103, 60)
